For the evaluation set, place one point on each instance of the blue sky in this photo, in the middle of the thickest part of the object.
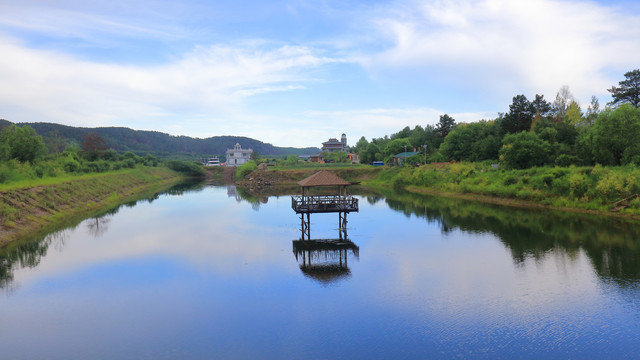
(294, 73)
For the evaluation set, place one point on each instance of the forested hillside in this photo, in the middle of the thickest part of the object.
(57, 137)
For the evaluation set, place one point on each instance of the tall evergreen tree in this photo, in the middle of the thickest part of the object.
(628, 91)
(520, 115)
(445, 125)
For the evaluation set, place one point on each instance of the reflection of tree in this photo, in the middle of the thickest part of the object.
(27, 254)
(241, 194)
(185, 186)
(613, 245)
(373, 199)
(97, 226)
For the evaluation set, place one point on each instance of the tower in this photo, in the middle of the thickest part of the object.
(343, 140)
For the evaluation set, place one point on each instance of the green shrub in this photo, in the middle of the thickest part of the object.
(245, 169)
(5, 174)
(399, 183)
(561, 186)
(566, 160)
(578, 185)
(510, 180)
(611, 187)
(129, 163)
(70, 165)
(185, 167)
(38, 171)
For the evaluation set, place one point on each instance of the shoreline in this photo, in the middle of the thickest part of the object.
(261, 180)
(28, 213)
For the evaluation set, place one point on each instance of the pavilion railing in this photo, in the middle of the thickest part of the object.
(324, 203)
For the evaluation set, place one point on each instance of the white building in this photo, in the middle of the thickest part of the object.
(238, 156)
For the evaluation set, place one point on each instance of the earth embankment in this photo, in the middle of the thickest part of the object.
(29, 212)
(263, 179)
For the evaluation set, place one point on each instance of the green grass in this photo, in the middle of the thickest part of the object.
(56, 201)
(590, 188)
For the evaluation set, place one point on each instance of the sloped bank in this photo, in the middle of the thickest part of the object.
(30, 212)
(610, 191)
(261, 180)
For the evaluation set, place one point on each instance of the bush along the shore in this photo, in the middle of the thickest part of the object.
(245, 169)
(591, 188)
(188, 168)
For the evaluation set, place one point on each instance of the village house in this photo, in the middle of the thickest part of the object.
(334, 145)
(238, 156)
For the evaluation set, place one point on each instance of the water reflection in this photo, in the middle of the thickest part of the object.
(28, 253)
(327, 260)
(612, 245)
(202, 276)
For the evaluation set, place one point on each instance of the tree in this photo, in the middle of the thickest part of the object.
(574, 114)
(628, 91)
(592, 111)
(396, 146)
(21, 143)
(336, 156)
(541, 107)
(472, 142)
(417, 137)
(93, 146)
(361, 145)
(370, 154)
(445, 125)
(615, 134)
(404, 133)
(561, 103)
(524, 150)
(520, 115)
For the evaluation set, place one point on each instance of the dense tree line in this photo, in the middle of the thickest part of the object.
(24, 156)
(57, 136)
(532, 133)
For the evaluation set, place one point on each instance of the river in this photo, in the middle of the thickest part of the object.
(206, 272)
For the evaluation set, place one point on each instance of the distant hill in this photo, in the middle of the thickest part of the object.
(159, 144)
(4, 123)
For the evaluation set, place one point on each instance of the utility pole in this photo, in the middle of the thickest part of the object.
(425, 153)
(405, 154)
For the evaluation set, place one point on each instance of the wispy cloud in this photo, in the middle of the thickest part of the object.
(44, 85)
(374, 123)
(206, 68)
(502, 45)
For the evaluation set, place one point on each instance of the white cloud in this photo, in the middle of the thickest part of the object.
(375, 123)
(91, 21)
(45, 85)
(527, 46)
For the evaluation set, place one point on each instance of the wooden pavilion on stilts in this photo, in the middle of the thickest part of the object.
(309, 203)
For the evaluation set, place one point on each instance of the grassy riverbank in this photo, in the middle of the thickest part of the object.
(28, 209)
(596, 189)
(610, 190)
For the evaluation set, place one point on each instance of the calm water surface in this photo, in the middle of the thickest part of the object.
(205, 274)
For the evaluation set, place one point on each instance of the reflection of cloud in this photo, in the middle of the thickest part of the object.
(467, 271)
(211, 234)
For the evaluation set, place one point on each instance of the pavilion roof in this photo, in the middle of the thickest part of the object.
(323, 178)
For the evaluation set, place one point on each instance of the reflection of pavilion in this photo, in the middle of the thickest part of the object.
(325, 260)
